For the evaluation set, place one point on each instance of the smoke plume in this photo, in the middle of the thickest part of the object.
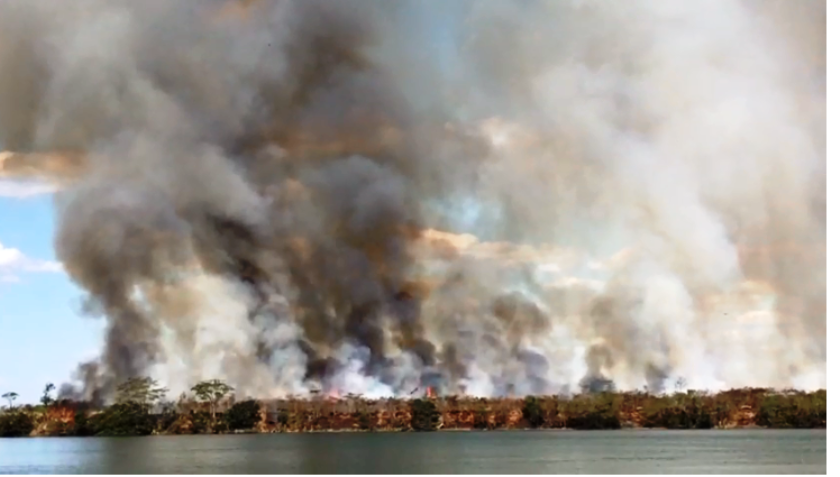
(492, 197)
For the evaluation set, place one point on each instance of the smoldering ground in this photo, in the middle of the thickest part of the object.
(640, 189)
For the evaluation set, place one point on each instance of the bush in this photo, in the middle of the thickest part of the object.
(202, 422)
(123, 419)
(16, 424)
(802, 411)
(364, 419)
(424, 415)
(283, 418)
(481, 419)
(593, 413)
(82, 426)
(532, 412)
(683, 412)
(243, 415)
(165, 420)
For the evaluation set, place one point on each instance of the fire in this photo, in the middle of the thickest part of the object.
(430, 393)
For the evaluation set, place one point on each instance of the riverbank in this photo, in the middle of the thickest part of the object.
(740, 408)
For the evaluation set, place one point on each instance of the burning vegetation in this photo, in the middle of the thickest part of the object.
(212, 408)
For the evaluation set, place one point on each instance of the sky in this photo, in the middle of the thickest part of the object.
(43, 336)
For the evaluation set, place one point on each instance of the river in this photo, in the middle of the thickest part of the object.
(527, 452)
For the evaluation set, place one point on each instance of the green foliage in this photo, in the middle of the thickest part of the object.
(143, 391)
(16, 424)
(204, 423)
(603, 410)
(212, 392)
(532, 412)
(795, 410)
(165, 420)
(243, 415)
(365, 420)
(82, 425)
(424, 415)
(123, 419)
(681, 412)
(593, 412)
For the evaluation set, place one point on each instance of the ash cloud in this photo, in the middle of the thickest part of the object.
(268, 189)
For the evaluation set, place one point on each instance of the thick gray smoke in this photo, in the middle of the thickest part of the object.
(270, 186)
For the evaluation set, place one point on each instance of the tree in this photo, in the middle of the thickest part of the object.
(10, 396)
(532, 412)
(143, 391)
(424, 415)
(243, 415)
(212, 392)
(46, 399)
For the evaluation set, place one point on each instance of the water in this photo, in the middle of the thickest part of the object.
(527, 452)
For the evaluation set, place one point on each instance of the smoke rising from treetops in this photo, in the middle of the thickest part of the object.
(483, 196)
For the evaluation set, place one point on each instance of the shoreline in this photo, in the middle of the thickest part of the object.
(398, 431)
(728, 410)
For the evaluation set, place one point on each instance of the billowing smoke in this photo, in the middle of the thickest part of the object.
(492, 197)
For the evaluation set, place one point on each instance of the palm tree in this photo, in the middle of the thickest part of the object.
(11, 396)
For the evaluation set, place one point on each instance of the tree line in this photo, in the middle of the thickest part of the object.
(139, 409)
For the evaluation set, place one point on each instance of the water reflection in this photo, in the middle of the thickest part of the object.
(744, 451)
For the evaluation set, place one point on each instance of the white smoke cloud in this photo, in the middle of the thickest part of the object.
(14, 264)
(638, 187)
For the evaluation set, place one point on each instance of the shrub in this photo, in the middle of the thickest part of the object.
(424, 415)
(16, 424)
(243, 415)
(123, 419)
(682, 411)
(532, 412)
(283, 418)
(202, 422)
(593, 413)
(793, 411)
(82, 426)
(364, 419)
(165, 420)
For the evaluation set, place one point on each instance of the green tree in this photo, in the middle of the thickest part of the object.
(129, 418)
(46, 399)
(143, 391)
(212, 392)
(10, 396)
(243, 415)
(424, 415)
(532, 412)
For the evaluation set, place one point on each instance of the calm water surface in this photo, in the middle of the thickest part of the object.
(528, 452)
